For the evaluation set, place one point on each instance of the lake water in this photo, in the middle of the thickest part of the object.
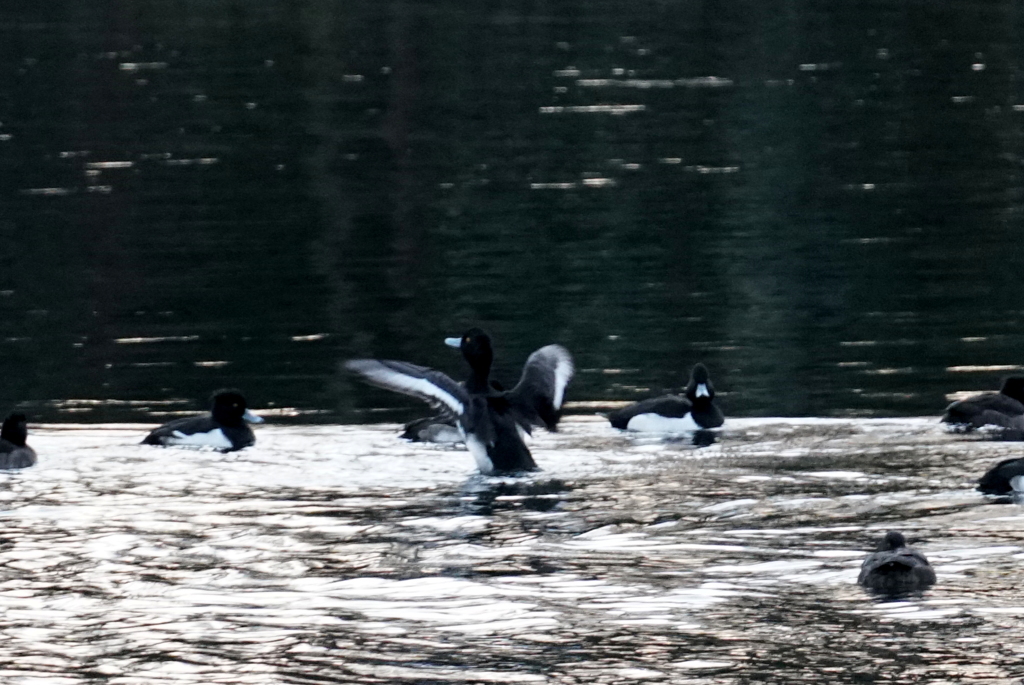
(822, 202)
(330, 554)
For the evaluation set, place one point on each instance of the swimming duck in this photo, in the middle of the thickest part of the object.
(1004, 408)
(14, 453)
(896, 568)
(489, 420)
(672, 413)
(440, 429)
(1004, 478)
(224, 428)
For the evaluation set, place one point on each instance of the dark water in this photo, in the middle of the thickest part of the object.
(822, 202)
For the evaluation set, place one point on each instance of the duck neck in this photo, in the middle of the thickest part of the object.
(477, 382)
(701, 403)
(700, 394)
(480, 365)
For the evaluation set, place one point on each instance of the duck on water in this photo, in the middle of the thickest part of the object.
(14, 453)
(672, 413)
(1003, 409)
(1005, 478)
(896, 568)
(490, 420)
(225, 428)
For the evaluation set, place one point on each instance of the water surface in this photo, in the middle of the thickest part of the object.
(822, 202)
(340, 554)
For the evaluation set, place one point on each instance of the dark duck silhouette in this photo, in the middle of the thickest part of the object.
(14, 453)
(224, 428)
(896, 568)
(1004, 409)
(1004, 478)
(672, 413)
(490, 420)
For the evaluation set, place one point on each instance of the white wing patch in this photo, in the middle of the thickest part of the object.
(410, 385)
(656, 423)
(558, 359)
(214, 438)
(564, 371)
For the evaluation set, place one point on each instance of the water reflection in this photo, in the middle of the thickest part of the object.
(243, 195)
(342, 553)
(485, 495)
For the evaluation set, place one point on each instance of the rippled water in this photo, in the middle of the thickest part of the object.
(825, 196)
(341, 554)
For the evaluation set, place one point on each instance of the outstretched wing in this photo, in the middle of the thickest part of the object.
(433, 387)
(537, 398)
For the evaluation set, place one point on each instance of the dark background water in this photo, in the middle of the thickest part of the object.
(821, 201)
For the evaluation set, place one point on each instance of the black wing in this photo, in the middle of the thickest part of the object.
(537, 398)
(671, 406)
(433, 387)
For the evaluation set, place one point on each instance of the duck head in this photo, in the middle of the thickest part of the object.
(476, 350)
(1013, 386)
(700, 390)
(230, 409)
(892, 541)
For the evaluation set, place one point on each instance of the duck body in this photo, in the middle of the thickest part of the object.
(1003, 409)
(491, 430)
(1004, 478)
(14, 453)
(896, 568)
(666, 414)
(490, 420)
(441, 429)
(674, 413)
(225, 428)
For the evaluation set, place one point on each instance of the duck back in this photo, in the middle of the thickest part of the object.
(896, 568)
(990, 409)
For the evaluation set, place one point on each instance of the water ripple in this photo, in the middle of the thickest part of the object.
(342, 554)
